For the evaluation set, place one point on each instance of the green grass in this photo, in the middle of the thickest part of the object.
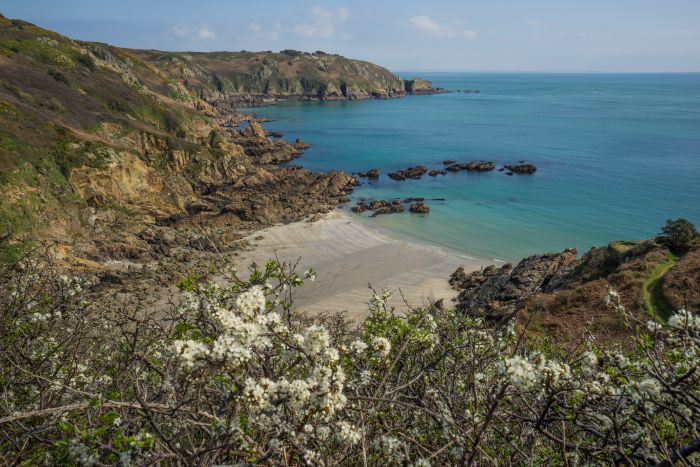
(654, 302)
(621, 246)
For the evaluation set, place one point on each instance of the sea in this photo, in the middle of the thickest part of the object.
(616, 155)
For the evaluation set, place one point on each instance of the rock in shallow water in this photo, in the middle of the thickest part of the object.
(419, 208)
(522, 168)
(371, 173)
(411, 172)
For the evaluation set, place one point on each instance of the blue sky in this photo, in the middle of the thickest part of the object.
(415, 35)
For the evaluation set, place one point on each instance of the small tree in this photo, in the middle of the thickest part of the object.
(677, 235)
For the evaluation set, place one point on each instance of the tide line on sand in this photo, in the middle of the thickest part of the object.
(349, 255)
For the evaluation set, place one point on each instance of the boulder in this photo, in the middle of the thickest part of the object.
(300, 145)
(254, 130)
(371, 173)
(377, 204)
(419, 208)
(361, 207)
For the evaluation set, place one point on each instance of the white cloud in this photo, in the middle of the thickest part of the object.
(193, 32)
(324, 23)
(435, 28)
(258, 31)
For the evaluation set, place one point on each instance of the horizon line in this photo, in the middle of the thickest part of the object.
(553, 72)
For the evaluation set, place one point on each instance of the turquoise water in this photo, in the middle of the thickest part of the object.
(616, 154)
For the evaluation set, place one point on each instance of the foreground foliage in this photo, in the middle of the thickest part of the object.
(235, 375)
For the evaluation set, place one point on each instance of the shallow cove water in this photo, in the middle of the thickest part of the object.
(617, 155)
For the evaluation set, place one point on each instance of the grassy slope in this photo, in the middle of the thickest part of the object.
(55, 94)
(654, 302)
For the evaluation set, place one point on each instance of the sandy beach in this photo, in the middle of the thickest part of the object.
(349, 254)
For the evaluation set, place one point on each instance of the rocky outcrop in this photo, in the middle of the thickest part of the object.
(394, 207)
(473, 166)
(495, 293)
(419, 208)
(300, 145)
(254, 130)
(421, 86)
(411, 172)
(264, 151)
(283, 195)
(127, 181)
(371, 174)
(384, 207)
(521, 168)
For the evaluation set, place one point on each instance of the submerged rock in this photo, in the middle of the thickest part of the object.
(435, 172)
(389, 209)
(522, 168)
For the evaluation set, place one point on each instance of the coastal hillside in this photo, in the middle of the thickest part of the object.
(562, 296)
(98, 141)
(156, 245)
(289, 74)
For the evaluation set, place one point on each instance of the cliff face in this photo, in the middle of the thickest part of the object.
(418, 86)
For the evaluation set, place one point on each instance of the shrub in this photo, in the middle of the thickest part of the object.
(234, 375)
(677, 235)
(87, 61)
(58, 76)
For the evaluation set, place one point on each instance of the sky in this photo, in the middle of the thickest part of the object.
(410, 35)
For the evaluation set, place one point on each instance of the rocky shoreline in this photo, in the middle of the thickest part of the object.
(328, 92)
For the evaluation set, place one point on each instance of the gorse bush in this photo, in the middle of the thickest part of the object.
(234, 375)
(677, 235)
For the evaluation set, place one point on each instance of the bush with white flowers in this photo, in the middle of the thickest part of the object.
(236, 375)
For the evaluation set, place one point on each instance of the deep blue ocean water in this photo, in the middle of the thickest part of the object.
(617, 155)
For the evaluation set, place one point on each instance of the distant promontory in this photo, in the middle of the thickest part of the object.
(250, 78)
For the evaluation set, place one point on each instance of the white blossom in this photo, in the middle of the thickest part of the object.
(381, 345)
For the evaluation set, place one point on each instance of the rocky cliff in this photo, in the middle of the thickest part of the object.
(560, 296)
(421, 86)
